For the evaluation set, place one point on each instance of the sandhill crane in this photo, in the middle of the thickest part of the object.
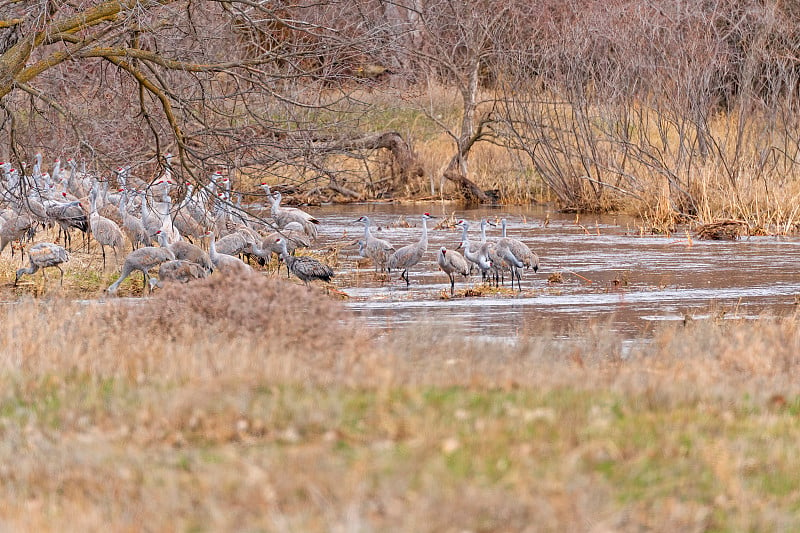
(144, 259)
(451, 262)
(106, 232)
(488, 248)
(479, 257)
(234, 243)
(150, 221)
(305, 268)
(505, 256)
(132, 225)
(284, 215)
(43, 255)
(14, 227)
(224, 262)
(294, 239)
(516, 255)
(178, 271)
(32, 203)
(197, 205)
(78, 183)
(376, 249)
(68, 215)
(187, 252)
(520, 250)
(184, 222)
(410, 255)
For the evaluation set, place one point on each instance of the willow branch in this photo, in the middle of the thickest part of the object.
(158, 93)
(172, 64)
(71, 120)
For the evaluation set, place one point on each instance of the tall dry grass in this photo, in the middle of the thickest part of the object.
(257, 404)
(637, 155)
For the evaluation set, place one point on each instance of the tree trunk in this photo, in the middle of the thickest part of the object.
(470, 133)
(467, 187)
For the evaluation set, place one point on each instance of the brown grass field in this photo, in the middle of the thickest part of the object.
(259, 405)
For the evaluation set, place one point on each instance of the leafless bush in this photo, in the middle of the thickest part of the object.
(629, 100)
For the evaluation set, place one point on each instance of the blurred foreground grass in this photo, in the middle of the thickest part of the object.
(258, 405)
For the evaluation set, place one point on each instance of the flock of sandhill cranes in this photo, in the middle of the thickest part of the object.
(161, 233)
(491, 256)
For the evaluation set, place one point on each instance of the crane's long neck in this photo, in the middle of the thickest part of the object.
(27, 270)
(212, 185)
(465, 236)
(423, 241)
(288, 259)
(145, 213)
(56, 170)
(212, 247)
(366, 231)
(123, 204)
(483, 231)
(93, 203)
(504, 228)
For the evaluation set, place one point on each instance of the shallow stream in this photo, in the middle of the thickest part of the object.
(610, 271)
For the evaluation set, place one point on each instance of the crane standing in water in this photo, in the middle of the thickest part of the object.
(520, 250)
(451, 262)
(410, 255)
(374, 248)
(479, 257)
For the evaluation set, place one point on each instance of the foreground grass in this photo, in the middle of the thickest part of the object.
(220, 408)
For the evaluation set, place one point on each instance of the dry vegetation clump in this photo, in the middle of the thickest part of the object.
(256, 404)
(187, 332)
(724, 230)
(249, 306)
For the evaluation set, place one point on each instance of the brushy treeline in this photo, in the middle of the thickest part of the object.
(675, 110)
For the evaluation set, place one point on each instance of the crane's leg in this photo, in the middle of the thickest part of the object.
(62, 274)
(452, 284)
(405, 275)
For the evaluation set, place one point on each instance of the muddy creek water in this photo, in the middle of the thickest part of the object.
(610, 273)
